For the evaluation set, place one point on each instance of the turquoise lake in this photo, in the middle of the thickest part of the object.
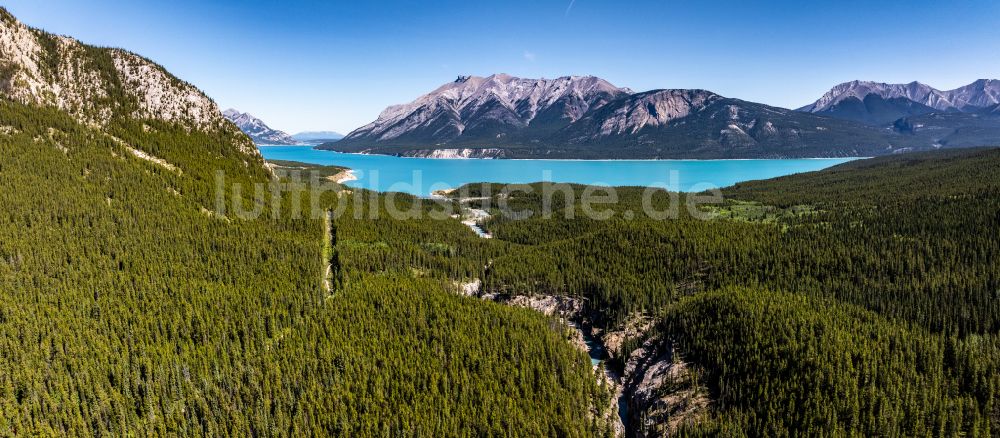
(421, 176)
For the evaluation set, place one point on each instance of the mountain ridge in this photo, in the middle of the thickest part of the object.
(966, 116)
(258, 131)
(100, 86)
(501, 116)
(977, 95)
(495, 105)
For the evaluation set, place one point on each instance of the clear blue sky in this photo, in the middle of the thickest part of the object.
(319, 65)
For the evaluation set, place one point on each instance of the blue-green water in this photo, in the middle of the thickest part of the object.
(421, 176)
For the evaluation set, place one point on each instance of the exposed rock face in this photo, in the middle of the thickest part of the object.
(95, 85)
(634, 328)
(663, 393)
(565, 307)
(653, 109)
(915, 91)
(471, 288)
(41, 69)
(980, 94)
(162, 96)
(494, 106)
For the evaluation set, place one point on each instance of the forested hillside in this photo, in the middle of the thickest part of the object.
(859, 299)
(132, 304)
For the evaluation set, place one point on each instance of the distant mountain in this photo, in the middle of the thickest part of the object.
(257, 129)
(495, 108)
(953, 129)
(963, 117)
(702, 124)
(314, 136)
(874, 109)
(501, 116)
(858, 90)
(977, 95)
(970, 98)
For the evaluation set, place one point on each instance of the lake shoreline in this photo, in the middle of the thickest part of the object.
(424, 176)
(568, 159)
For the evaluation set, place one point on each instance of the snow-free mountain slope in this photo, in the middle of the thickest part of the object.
(963, 117)
(915, 91)
(98, 86)
(497, 106)
(257, 129)
(586, 117)
(980, 94)
(952, 129)
(977, 95)
(501, 116)
(94, 84)
(873, 109)
(702, 124)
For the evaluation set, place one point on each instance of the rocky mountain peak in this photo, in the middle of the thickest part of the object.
(979, 94)
(498, 103)
(915, 91)
(258, 131)
(973, 97)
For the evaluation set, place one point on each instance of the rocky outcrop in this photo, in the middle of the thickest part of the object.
(162, 96)
(564, 307)
(634, 327)
(96, 85)
(470, 288)
(663, 393)
(655, 395)
(654, 109)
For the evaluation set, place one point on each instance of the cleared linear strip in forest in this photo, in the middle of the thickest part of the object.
(328, 254)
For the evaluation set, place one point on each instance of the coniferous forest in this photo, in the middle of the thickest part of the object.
(862, 300)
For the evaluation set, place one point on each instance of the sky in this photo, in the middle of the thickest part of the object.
(334, 65)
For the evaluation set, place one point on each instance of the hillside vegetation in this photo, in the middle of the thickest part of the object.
(861, 299)
(133, 303)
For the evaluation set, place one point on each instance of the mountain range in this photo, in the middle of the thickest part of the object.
(963, 117)
(317, 136)
(970, 98)
(262, 134)
(502, 116)
(880, 103)
(258, 131)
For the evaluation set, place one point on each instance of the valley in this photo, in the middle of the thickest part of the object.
(162, 272)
